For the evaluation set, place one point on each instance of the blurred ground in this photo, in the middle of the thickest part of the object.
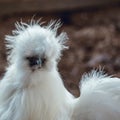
(94, 40)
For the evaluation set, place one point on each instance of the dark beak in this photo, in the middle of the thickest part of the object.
(39, 62)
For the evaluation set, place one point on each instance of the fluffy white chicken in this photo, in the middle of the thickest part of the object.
(32, 88)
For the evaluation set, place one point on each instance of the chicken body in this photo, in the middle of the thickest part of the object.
(32, 88)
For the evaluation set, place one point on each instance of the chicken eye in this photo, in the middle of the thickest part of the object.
(32, 60)
(43, 60)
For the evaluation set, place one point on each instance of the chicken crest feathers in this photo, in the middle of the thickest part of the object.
(22, 27)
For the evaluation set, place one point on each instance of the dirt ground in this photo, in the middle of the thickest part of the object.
(94, 41)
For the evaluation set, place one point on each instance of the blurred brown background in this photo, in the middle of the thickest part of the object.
(93, 28)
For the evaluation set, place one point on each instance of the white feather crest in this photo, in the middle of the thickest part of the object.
(21, 27)
(54, 25)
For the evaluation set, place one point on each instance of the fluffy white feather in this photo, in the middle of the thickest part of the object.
(32, 88)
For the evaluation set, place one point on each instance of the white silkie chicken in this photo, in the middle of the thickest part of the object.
(32, 88)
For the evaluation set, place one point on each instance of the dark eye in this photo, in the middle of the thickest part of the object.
(32, 60)
(43, 60)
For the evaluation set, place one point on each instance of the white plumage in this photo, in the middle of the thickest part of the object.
(32, 88)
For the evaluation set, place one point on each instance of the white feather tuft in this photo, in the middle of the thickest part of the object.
(94, 74)
(23, 28)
